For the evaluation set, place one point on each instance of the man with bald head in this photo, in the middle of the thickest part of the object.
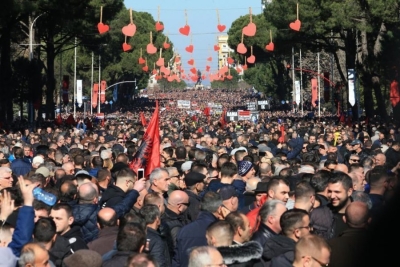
(34, 254)
(107, 222)
(174, 215)
(342, 168)
(348, 248)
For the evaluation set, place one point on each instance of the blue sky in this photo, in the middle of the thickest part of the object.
(202, 19)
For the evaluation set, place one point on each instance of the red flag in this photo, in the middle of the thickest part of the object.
(282, 137)
(103, 85)
(394, 93)
(148, 154)
(143, 119)
(207, 111)
(95, 95)
(314, 91)
(222, 120)
(58, 121)
(71, 120)
(194, 118)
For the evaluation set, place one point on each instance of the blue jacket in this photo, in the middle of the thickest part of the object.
(23, 230)
(296, 145)
(239, 185)
(85, 215)
(20, 167)
(190, 236)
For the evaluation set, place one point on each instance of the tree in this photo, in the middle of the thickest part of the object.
(225, 82)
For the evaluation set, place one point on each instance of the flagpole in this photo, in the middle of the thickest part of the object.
(319, 89)
(91, 89)
(75, 80)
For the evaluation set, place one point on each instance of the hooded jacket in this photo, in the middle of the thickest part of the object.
(60, 249)
(242, 255)
(112, 196)
(74, 237)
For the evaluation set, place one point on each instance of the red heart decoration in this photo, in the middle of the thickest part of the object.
(102, 27)
(241, 49)
(270, 46)
(177, 59)
(160, 62)
(170, 78)
(244, 67)
(189, 48)
(191, 61)
(129, 30)
(158, 77)
(193, 70)
(154, 72)
(251, 59)
(250, 29)
(145, 68)
(216, 47)
(209, 59)
(126, 47)
(151, 49)
(230, 60)
(159, 26)
(229, 77)
(207, 68)
(166, 45)
(142, 60)
(185, 30)
(167, 71)
(295, 25)
(238, 70)
(221, 27)
(203, 77)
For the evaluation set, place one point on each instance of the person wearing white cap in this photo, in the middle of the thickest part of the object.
(37, 160)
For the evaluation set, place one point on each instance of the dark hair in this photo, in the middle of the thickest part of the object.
(68, 192)
(150, 213)
(97, 161)
(141, 260)
(374, 175)
(132, 217)
(235, 220)
(320, 180)
(45, 229)
(39, 205)
(15, 194)
(18, 152)
(37, 178)
(130, 150)
(229, 169)
(63, 206)
(303, 190)
(291, 219)
(169, 151)
(131, 238)
(180, 152)
(275, 181)
(341, 177)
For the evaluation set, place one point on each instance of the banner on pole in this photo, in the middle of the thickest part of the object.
(95, 95)
(352, 88)
(103, 85)
(314, 92)
(297, 90)
(79, 92)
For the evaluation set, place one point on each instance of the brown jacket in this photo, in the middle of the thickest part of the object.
(105, 241)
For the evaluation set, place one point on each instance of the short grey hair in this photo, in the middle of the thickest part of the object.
(156, 174)
(269, 209)
(200, 256)
(28, 254)
(362, 197)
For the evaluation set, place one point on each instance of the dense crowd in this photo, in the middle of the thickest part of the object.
(288, 189)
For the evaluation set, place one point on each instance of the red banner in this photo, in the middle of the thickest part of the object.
(314, 91)
(394, 93)
(327, 87)
(103, 86)
(95, 95)
(65, 88)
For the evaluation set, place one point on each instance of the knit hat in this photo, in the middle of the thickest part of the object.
(244, 167)
(84, 258)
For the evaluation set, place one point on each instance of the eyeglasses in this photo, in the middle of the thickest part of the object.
(320, 262)
(355, 160)
(309, 227)
(184, 204)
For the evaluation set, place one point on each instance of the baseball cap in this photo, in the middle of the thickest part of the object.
(356, 142)
(43, 171)
(237, 149)
(186, 166)
(37, 160)
(83, 173)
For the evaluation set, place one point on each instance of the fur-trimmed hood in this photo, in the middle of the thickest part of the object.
(241, 253)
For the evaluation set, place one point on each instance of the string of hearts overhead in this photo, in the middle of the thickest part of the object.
(161, 68)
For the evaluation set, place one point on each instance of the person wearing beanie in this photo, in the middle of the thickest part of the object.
(246, 170)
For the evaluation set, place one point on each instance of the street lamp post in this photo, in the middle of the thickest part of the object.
(30, 102)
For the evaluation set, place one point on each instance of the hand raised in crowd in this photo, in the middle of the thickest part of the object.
(140, 184)
(26, 191)
(7, 206)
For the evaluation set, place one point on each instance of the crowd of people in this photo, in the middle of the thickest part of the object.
(285, 190)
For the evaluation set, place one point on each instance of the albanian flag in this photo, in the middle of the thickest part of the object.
(282, 137)
(222, 120)
(148, 154)
(143, 119)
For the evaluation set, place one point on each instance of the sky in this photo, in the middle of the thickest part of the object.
(202, 19)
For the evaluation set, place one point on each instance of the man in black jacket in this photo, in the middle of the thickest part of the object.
(279, 249)
(115, 193)
(270, 214)
(158, 247)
